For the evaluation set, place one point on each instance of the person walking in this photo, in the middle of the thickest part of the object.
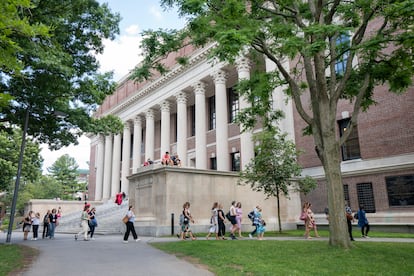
(93, 223)
(35, 226)
(239, 215)
(349, 220)
(363, 221)
(257, 217)
(213, 221)
(130, 228)
(309, 221)
(84, 223)
(185, 227)
(52, 223)
(46, 225)
(220, 219)
(27, 224)
(233, 221)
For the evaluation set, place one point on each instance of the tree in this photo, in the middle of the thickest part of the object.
(12, 22)
(59, 85)
(309, 33)
(65, 171)
(274, 169)
(9, 155)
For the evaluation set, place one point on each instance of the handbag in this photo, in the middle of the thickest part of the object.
(303, 216)
(125, 219)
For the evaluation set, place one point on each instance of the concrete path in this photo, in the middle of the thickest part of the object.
(107, 255)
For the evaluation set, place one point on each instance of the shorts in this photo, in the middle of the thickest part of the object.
(233, 220)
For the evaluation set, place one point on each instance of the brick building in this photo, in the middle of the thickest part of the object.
(190, 112)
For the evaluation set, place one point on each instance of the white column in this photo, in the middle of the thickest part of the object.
(182, 127)
(116, 165)
(107, 168)
(222, 151)
(200, 125)
(136, 151)
(165, 127)
(99, 168)
(126, 150)
(149, 134)
(246, 142)
(282, 102)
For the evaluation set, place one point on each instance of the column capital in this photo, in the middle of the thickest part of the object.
(149, 114)
(137, 120)
(199, 87)
(219, 77)
(242, 63)
(165, 106)
(181, 97)
(127, 126)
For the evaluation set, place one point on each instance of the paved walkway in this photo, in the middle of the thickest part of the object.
(107, 255)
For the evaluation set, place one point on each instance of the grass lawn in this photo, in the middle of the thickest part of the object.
(14, 258)
(272, 257)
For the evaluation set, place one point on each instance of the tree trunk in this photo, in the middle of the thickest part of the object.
(338, 231)
(278, 212)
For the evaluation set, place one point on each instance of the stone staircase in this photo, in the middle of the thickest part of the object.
(109, 216)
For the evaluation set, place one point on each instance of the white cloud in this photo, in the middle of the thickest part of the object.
(121, 55)
(156, 12)
(80, 152)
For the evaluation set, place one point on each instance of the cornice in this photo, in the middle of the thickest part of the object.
(152, 86)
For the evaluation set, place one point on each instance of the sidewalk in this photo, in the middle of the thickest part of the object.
(107, 255)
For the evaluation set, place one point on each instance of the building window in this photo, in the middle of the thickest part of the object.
(175, 129)
(212, 112)
(235, 161)
(213, 163)
(346, 193)
(366, 196)
(350, 149)
(233, 104)
(400, 190)
(193, 120)
(342, 49)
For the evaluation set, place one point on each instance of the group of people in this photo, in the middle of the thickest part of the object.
(32, 222)
(361, 217)
(88, 223)
(217, 222)
(171, 160)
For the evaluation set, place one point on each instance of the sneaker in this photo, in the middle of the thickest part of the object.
(35, 239)
(250, 236)
(367, 237)
(137, 240)
(125, 241)
(85, 239)
(363, 236)
(93, 239)
(233, 238)
(76, 237)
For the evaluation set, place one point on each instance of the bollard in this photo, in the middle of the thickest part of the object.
(172, 224)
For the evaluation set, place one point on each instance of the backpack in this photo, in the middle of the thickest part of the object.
(228, 216)
(181, 221)
(251, 216)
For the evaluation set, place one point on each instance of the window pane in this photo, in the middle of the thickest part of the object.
(366, 196)
(350, 149)
(235, 161)
(400, 190)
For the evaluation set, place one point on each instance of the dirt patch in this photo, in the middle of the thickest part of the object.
(29, 255)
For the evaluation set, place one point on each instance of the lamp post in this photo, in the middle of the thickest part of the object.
(17, 183)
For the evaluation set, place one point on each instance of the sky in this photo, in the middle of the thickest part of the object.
(120, 56)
